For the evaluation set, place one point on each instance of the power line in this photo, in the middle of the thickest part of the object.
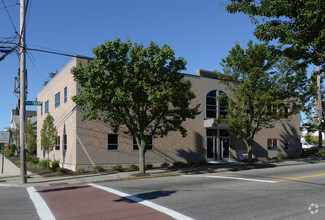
(5, 7)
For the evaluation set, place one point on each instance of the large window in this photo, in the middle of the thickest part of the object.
(46, 106)
(57, 143)
(112, 141)
(65, 94)
(272, 144)
(57, 99)
(215, 109)
(149, 146)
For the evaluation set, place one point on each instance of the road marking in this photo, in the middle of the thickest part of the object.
(300, 177)
(42, 209)
(152, 205)
(235, 178)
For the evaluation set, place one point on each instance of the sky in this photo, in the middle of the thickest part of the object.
(201, 31)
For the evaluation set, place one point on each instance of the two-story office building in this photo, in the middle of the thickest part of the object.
(80, 142)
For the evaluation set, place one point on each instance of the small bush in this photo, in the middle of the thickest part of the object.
(44, 163)
(34, 160)
(117, 167)
(99, 168)
(36, 166)
(80, 170)
(9, 153)
(13, 148)
(164, 165)
(190, 163)
(148, 166)
(179, 164)
(134, 167)
(63, 170)
(203, 162)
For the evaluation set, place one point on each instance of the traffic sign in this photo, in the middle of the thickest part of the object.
(34, 103)
(4, 137)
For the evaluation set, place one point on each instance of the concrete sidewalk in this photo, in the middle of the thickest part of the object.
(11, 175)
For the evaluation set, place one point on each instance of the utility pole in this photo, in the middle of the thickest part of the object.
(320, 114)
(22, 112)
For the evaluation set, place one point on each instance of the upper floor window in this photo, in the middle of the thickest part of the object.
(41, 110)
(149, 145)
(214, 108)
(47, 106)
(65, 94)
(57, 99)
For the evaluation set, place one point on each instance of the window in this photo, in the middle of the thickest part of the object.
(112, 141)
(41, 110)
(65, 142)
(272, 144)
(57, 143)
(149, 146)
(286, 144)
(57, 99)
(215, 109)
(65, 94)
(46, 106)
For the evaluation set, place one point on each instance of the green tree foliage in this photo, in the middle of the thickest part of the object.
(48, 135)
(136, 88)
(17, 137)
(297, 24)
(30, 137)
(51, 76)
(263, 86)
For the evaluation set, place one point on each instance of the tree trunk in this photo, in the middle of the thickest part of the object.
(142, 161)
(249, 151)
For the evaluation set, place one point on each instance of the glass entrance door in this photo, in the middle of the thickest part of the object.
(218, 143)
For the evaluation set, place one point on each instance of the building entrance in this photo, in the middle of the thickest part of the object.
(218, 143)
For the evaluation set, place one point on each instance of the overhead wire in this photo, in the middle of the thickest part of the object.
(5, 7)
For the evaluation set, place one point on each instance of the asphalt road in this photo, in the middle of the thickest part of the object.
(291, 192)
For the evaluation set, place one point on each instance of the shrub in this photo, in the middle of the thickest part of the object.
(99, 168)
(190, 163)
(36, 166)
(148, 166)
(134, 167)
(80, 170)
(44, 163)
(117, 167)
(9, 153)
(34, 160)
(164, 165)
(178, 164)
(203, 162)
(63, 170)
(13, 148)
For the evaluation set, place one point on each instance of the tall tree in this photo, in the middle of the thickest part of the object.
(48, 135)
(263, 86)
(297, 25)
(137, 88)
(30, 137)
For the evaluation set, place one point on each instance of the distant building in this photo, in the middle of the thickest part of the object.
(207, 139)
(15, 120)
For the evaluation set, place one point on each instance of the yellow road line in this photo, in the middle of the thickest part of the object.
(300, 177)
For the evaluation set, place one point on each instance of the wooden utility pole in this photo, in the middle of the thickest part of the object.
(320, 114)
(22, 112)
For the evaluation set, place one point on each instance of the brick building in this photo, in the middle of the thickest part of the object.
(79, 142)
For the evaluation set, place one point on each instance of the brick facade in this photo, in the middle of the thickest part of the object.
(87, 140)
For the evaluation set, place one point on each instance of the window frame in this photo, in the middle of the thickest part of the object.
(214, 109)
(47, 105)
(274, 143)
(65, 94)
(57, 100)
(57, 143)
(110, 146)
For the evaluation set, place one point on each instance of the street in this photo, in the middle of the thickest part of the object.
(287, 192)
